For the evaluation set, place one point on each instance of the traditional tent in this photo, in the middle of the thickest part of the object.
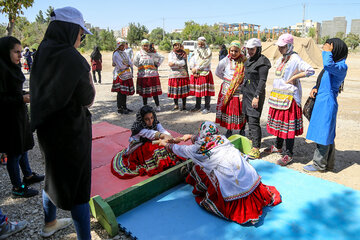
(305, 47)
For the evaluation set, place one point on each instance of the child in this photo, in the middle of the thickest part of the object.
(179, 77)
(142, 157)
(224, 182)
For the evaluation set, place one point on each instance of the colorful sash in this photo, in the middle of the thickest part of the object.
(281, 99)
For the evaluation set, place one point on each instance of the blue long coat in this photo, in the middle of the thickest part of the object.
(323, 119)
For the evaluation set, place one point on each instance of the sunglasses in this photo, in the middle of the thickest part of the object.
(82, 37)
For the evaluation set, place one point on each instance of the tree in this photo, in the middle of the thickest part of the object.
(13, 9)
(136, 33)
(312, 32)
(48, 12)
(324, 38)
(156, 35)
(340, 35)
(40, 17)
(165, 45)
(352, 40)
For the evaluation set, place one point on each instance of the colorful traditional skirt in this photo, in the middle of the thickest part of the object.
(242, 210)
(232, 117)
(125, 87)
(148, 86)
(148, 159)
(285, 124)
(202, 86)
(179, 88)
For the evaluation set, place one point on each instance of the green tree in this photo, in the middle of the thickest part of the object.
(40, 17)
(2, 30)
(21, 25)
(48, 12)
(156, 35)
(136, 33)
(191, 31)
(324, 38)
(340, 35)
(165, 45)
(13, 9)
(312, 32)
(352, 40)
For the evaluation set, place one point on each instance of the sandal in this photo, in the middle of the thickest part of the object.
(272, 149)
(285, 160)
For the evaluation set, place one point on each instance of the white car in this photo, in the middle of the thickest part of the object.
(191, 45)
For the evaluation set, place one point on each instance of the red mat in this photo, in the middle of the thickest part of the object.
(109, 139)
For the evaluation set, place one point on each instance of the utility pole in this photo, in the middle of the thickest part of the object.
(163, 28)
(303, 22)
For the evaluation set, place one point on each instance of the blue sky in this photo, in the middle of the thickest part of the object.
(115, 14)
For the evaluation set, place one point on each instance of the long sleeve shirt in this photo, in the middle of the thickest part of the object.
(178, 70)
(122, 65)
(147, 63)
(225, 71)
(149, 133)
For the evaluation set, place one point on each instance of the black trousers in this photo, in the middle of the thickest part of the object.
(121, 101)
(254, 130)
(156, 100)
(94, 76)
(176, 101)
(207, 102)
(289, 144)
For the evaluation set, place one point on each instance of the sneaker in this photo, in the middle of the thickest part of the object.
(34, 179)
(183, 108)
(272, 149)
(9, 228)
(285, 160)
(311, 168)
(24, 192)
(176, 107)
(195, 109)
(205, 111)
(157, 109)
(254, 153)
(62, 223)
(129, 110)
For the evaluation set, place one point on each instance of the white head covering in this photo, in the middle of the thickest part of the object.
(202, 39)
(119, 42)
(253, 42)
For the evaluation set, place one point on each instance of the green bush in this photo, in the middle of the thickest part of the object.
(165, 45)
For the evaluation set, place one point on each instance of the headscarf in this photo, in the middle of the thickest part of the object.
(152, 48)
(96, 55)
(144, 42)
(208, 138)
(238, 76)
(57, 69)
(180, 53)
(140, 124)
(339, 52)
(8, 70)
(223, 51)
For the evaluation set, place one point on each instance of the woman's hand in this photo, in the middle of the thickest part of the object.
(162, 142)
(186, 137)
(164, 136)
(194, 71)
(241, 97)
(255, 103)
(328, 47)
(313, 92)
(171, 64)
(26, 98)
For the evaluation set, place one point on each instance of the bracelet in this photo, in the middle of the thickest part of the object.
(157, 135)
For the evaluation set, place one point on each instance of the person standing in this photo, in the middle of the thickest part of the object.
(60, 98)
(223, 52)
(123, 77)
(201, 81)
(285, 114)
(130, 53)
(28, 58)
(96, 63)
(322, 125)
(178, 77)
(253, 92)
(148, 81)
(231, 70)
(16, 136)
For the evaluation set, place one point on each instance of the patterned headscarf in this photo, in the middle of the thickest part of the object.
(145, 42)
(208, 138)
(140, 124)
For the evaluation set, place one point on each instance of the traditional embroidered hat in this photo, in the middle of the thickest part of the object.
(235, 43)
(284, 39)
(70, 14)
(175, 41)
(202, 39)
(119, 42)
(144, 42)
(253, 42)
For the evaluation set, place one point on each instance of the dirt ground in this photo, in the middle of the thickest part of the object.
(347, 167)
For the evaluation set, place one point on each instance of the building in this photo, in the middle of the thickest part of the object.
(355, 26)
(332, 27)
(305, 28)
(121, 33)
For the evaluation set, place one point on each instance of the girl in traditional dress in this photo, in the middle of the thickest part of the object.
(142, 157)
(323, 119)
(96, 63)
(285, 114)
(253, 92)
(179, 77)
(231, 71)
(224, 182)
(148, 81)
(201, 81)
(123, 77)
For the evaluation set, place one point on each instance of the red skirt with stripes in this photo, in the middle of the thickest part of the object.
(231, 118)
(179, 88)
(202, 86)
(148, 86)
(285, 124)
(125, 87)
(242, 210)
(148, 159)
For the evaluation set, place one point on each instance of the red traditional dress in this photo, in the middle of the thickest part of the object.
(178, 77)
(225, 184)
(122, 75)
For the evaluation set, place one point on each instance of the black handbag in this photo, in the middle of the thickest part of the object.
(308, 107)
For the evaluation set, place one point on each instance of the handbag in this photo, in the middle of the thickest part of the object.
(308, 107)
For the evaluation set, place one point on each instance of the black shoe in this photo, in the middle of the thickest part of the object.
(242, 132)
(195, 109)
(24, 192)
(228, 133)
(34, 179)
(129, 110)
(183, 108)
(123, 111)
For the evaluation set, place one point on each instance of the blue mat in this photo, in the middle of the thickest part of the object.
(312, 208)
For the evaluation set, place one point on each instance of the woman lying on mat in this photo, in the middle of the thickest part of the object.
(142, 157)
(224, 182)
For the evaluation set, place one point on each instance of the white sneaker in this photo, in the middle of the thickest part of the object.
(157, 109)
(60, 224)
(205, 111)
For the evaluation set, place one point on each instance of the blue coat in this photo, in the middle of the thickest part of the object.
(323, 119)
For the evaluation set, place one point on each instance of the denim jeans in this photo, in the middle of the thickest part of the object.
(2, 217)
(324, 157)
(80, 214)
(12, 166)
